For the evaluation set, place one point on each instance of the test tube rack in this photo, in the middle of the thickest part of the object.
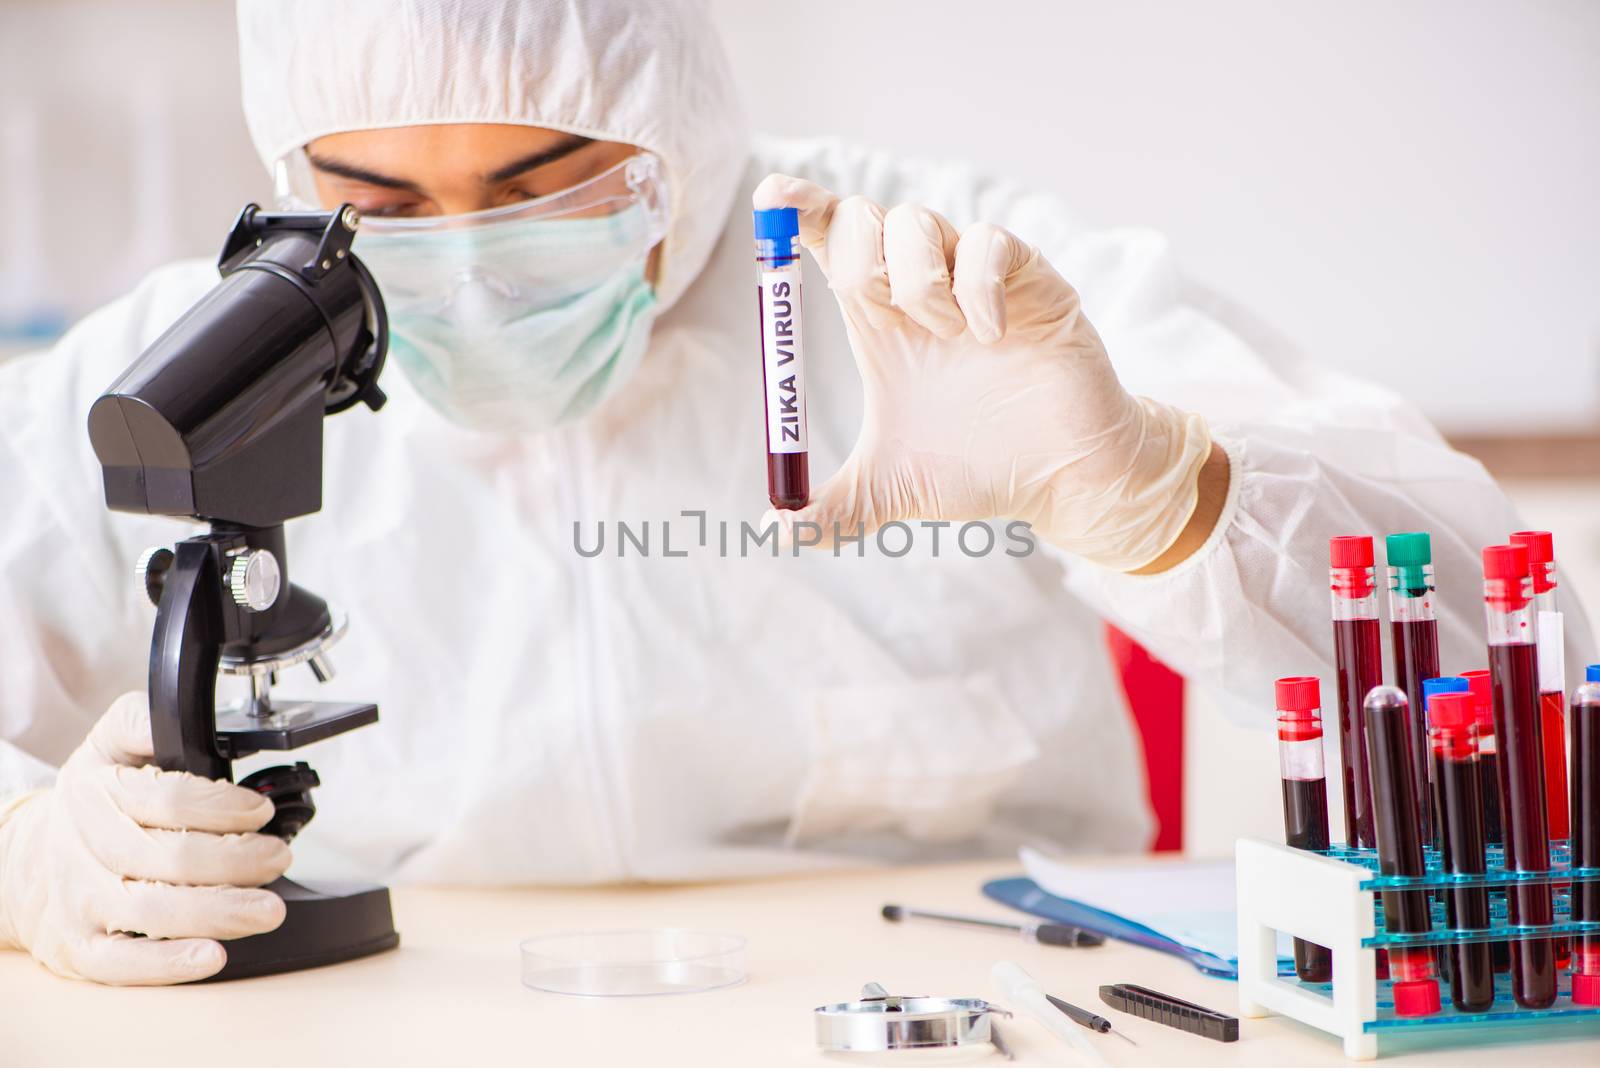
(1331, 898)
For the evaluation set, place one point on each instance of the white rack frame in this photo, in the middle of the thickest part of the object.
(1320, 900)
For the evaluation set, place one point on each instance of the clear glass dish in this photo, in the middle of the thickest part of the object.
(640, 963)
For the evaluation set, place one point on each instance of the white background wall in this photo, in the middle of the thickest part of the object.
(122, 146)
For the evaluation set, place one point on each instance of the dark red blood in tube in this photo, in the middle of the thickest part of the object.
(1458, 795)
(788, 480)
(1586, 839)
(1397, 822)
(1514, 672)
(1358, 658)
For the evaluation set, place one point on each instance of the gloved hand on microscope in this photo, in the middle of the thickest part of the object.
(127, 874)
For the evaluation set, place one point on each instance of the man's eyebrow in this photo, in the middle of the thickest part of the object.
(360, 174)
(538, 159)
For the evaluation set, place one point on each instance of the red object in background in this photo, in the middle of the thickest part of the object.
(1553, 729)
(1155, 697)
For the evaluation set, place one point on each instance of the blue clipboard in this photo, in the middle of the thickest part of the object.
(1023, 893)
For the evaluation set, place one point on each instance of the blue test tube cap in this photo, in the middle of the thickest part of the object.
(1591, 673)
(1444, 684)
(777, 224)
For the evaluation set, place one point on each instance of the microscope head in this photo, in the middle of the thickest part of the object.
(220, 419)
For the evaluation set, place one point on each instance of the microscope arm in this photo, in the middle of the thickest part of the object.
(183, 663)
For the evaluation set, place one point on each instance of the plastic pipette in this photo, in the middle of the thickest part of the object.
(1023, 991)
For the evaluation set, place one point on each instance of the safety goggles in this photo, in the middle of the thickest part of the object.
(635, 181)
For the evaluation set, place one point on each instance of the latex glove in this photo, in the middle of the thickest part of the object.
(987, 393)
(120, 846)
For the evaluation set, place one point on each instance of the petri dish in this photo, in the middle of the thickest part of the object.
(641, 963)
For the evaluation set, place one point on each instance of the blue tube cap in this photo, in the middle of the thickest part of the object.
(1591, 673)
(1445, 684)
(777, 224)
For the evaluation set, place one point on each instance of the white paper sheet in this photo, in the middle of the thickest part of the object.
(1191, 902)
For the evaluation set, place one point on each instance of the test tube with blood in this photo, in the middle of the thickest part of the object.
(1552, 673)
(1489, 781)
(1305, 794)
(1586, 834)
(1358, 660)
(783, 375)
(1458, 793)
(1414, 630)
(1398, 826)
(1513, 673)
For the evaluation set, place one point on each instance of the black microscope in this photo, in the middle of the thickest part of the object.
(220, 420)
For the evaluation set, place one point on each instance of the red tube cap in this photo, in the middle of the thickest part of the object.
(1541, 556)
(1482, 690)
(1505, 574)
(1452, 711)
(1541, 545)
(1350, 550)
(1299, 693)
(1586, 989)
(1419, 997)
(1505, 562)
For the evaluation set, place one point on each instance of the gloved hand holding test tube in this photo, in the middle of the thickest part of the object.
(986, 391)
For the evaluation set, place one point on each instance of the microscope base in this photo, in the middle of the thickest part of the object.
(337, 923)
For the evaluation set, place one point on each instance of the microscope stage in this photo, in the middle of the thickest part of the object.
(290, 725)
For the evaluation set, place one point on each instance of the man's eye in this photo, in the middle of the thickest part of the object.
(387, 211)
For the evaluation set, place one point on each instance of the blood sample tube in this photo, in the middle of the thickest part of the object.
(1398, 825)
(782, 356)
(1489, 780)
(1305, 795)
(1586, 834)
(1458, 794)
(1414, 631)
(1358, 659)
(1513, 673)
(1552, 674)
(1488, 753)
(1431, 688)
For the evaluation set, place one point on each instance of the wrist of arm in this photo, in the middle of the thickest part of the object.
(1211, 496)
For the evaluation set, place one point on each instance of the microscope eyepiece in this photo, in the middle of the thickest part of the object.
(221, 417)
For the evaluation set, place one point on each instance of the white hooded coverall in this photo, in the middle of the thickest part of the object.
(551, 717)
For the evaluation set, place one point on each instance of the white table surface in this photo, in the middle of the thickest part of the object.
(450, 995)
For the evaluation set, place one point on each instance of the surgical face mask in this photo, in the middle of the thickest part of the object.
(517, 319)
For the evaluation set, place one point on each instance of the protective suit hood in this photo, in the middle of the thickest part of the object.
(650, 73)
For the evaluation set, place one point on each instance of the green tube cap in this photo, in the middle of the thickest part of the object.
(1410, 552)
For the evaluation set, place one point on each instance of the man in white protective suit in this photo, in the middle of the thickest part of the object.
(556, 200)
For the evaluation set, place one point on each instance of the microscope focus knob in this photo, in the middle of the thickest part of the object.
(254, 579)
(289, 790)
(152, 569)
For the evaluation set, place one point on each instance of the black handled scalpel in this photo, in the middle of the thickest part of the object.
(1088, 1019)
